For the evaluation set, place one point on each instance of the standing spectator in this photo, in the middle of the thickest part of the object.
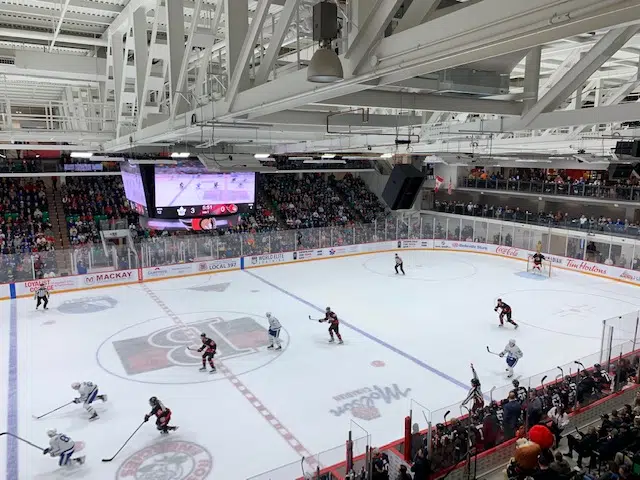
(421, 465)
(403, 474)
(559, 420)
(511, 416)
(380, 466)
(534, 409)
(560, 465)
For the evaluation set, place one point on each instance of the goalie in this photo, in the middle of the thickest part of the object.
(537, 262)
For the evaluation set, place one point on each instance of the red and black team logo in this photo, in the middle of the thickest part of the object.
(167, 348)
(168, 460)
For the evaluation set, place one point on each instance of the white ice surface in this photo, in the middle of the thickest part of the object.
(419, 332)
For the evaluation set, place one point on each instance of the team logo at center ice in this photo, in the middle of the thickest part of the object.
(168, 347)
(171, 460)
(362, 402)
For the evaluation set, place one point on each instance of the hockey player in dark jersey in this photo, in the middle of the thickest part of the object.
(163, 416)
(334, 325)
(505, 311)
(475, 393)
(208, 350)
(521, 392)
(537, 261)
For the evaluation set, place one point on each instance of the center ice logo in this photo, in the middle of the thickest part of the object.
(172, 460)
(363, 405)
(167, 347)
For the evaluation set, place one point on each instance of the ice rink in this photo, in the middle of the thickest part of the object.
(406, 337)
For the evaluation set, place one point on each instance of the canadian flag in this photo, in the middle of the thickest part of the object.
(439, 181)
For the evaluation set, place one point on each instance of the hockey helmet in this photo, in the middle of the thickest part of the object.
(597, 367)
(75, 385)
(52, 432)
(268, 314)
(515, 383)
(328, 309)
(512, 342)
(153, 401)
(203, 335)
(499, 300)
(475, 382)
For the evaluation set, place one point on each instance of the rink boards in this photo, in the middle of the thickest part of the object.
(206, 267)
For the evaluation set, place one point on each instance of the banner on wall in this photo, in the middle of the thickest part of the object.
(216, 265)
(268, 259)
(168, 271)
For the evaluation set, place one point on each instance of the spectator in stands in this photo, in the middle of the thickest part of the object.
(583, 445)
(403, 474)
(560, 465)
(559, 420)
(544, 471)
(380, 466)
(421, 466)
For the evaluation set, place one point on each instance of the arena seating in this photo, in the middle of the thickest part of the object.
(560, 183)
(358, 196)
(550, 219)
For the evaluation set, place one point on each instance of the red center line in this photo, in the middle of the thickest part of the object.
(255, 402)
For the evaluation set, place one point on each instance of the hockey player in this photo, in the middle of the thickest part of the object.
(42, 296)
(274, 332)
(209, 350)
(88, 393)
(513, 353)
(537, 261)
(163, 415)
(62, 446)
(505, 310)
(334, 326)
(399, 264)
(521, 392)
(475, 393)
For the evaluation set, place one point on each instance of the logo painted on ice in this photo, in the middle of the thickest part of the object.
(171, 460)
(507, 251)
(362, 402)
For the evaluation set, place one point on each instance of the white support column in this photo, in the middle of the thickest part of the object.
(609, 44)
(56, 32)
(180, 100)
(203, 63)
(370, 34)
(597, 101)
(175, 37)
(275, 43)
(141, 53)
(158, 14)
(237, 26)
(117, 46)
(532, 77)
(417, 13)
(248, 47)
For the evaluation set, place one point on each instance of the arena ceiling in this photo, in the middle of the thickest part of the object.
(482, 76)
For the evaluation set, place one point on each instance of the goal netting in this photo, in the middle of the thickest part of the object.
(545, 268)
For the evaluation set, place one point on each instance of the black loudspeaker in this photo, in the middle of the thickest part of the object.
(325, 21)
(402, 188)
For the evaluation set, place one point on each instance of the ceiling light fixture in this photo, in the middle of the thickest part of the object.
(325, 65)
(81, 154)
(325, 161)
(180, 155)
(386, 155)
(261, 156)
(328, 155)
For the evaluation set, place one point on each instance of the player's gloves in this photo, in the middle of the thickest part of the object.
(501, 355)
(495, 309)
(45, 451)
(146, 418)
(76, 400)
(320, 321)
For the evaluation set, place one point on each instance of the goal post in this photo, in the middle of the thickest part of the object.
(545, 268)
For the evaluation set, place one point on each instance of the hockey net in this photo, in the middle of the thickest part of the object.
(544, 270)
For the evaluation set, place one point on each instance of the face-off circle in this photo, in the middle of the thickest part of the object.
(168, 460)
(159, 351)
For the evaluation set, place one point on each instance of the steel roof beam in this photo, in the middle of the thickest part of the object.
(580, 72)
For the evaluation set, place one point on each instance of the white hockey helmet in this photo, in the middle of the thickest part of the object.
(52, 432)
(268, 314)
(512, 342)
(75, 385)
(328, 309)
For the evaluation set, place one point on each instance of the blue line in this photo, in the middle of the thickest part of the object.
(12, 400)
(415, 360)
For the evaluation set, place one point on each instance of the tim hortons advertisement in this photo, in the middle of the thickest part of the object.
(268, 259)
(168, 270)
(217, 265)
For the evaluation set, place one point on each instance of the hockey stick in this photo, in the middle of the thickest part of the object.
(123, 445)
(492, 353)
(580, 363)
(446, 415)
(542, 381)
(315, 319)
(304, 475)
(22, 440)
(54, 410)
(561, 371)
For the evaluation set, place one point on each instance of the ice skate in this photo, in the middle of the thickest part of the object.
(331, 340)
(102, 397)
(213, 370)
(340, 342)
(270, 347)
(279, 347)
(93, 417)
(80, 460)
(203, 369)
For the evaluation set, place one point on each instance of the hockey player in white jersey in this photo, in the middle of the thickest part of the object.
(274, 332)
(88, 393)
(62, 446)
(513, 353)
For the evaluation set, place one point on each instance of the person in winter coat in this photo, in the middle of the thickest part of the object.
(490, 428)
(403, 474)
(534, 409)
(510, 416)
(421, 465)
(560, 465)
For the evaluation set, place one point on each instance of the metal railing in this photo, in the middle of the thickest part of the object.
(607, 192)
